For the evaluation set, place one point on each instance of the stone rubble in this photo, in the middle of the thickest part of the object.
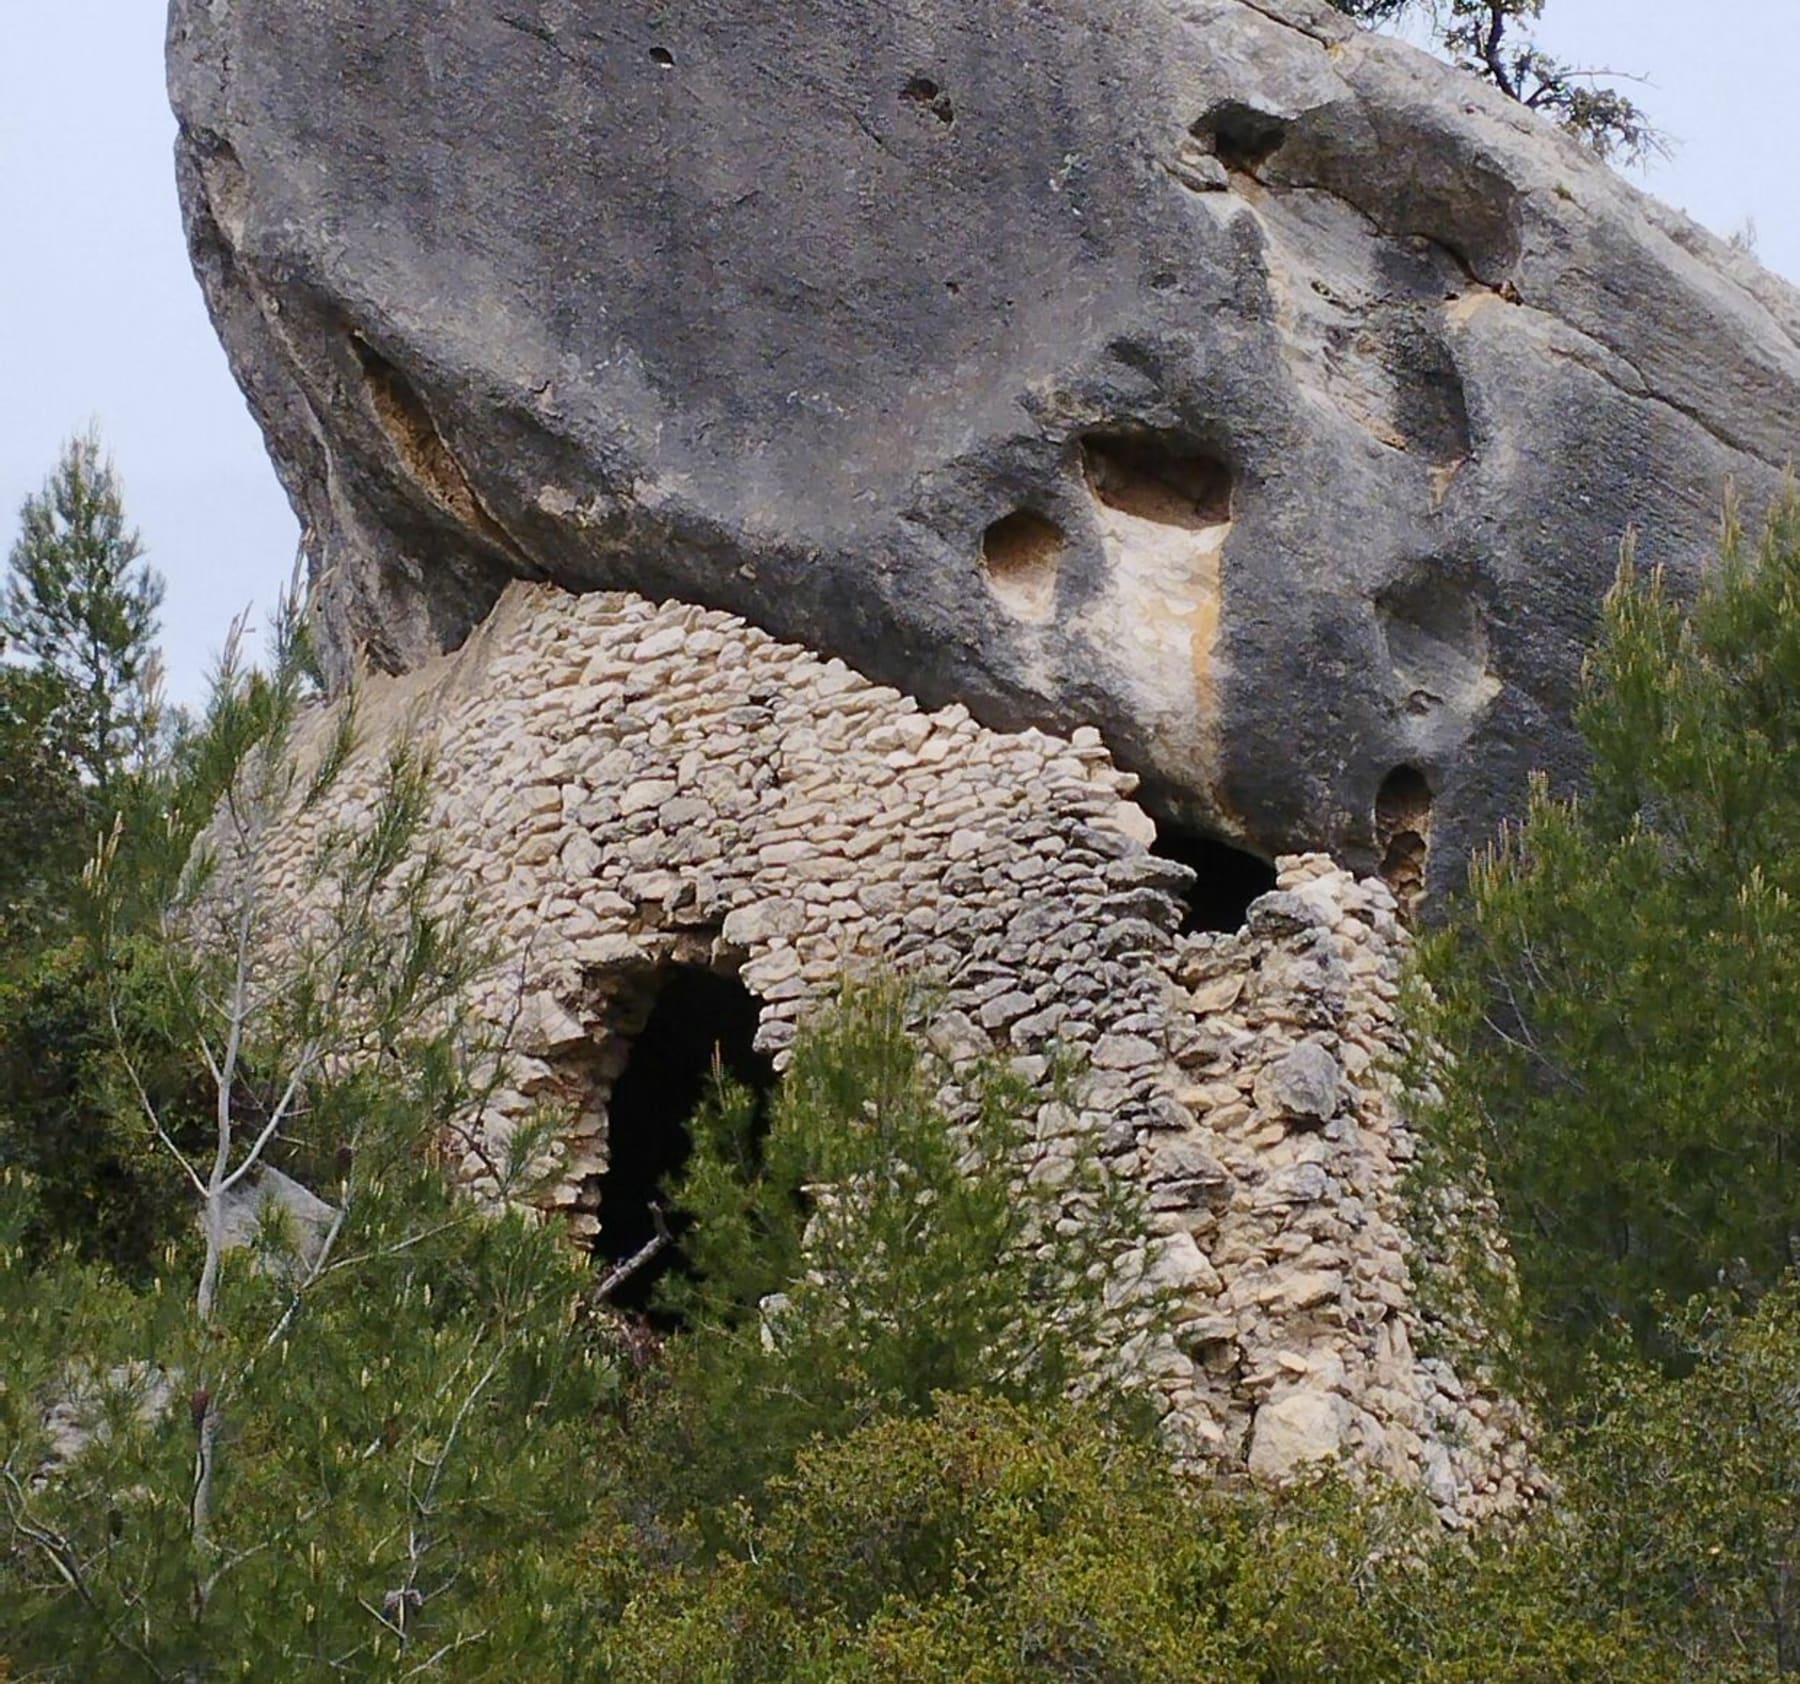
(626, 786)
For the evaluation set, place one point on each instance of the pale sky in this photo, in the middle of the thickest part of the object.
(100, 316)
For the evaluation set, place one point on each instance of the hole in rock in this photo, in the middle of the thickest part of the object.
(1022, 553)
(1431, 407)
(1243, 138)
(662, 58)
(1435, 636)
(1403, 834)
(1145, 477)
(700, 1022)
(921, 90)
(1226, 879)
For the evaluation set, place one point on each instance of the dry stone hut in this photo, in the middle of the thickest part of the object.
(685, 832)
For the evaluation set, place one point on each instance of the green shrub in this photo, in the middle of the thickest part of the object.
(865, 1253)
(998, 1544)
(1688, 1489)
(69, 1118)
(401, 1471)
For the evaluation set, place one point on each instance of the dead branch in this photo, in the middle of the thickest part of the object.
(647, 1253)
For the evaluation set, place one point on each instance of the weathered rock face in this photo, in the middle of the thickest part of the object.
(1257, 389)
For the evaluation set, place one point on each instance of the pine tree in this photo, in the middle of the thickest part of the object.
(340, 1433)
(1616, 991)
(44, 809)
(81, 602)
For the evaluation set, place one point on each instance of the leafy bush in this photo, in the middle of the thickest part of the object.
(1605, 1017)
(1689, 1488)
(995, 1543)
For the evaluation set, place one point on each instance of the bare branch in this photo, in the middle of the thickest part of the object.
(418, 1539)
(303, 1068)
(647, 1253)
(145, 1103)
(448, 1649)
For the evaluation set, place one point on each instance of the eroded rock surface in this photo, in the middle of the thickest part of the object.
(1256, 389)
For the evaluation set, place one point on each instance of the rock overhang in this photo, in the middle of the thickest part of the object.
(789, 311)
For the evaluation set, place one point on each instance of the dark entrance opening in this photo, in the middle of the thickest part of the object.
(1243, 137)
(700, 1022)
(1226, 879)
(1403, 834)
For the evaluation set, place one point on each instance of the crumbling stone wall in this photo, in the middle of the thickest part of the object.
(628, 786)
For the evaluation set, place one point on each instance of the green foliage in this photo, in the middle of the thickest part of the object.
(402, 1471)
(1689, 1489)
(868, 1252)
(1613, 989)
(77, 752)
(1475, 35)
(791, 1491)
(993, 1543)
(81, 603)
(71, 1120)
(322, 1439)
(378, 1433)
(46, 815)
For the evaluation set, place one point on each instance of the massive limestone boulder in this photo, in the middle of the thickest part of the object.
(1258, 389)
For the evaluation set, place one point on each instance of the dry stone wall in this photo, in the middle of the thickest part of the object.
(629, 786)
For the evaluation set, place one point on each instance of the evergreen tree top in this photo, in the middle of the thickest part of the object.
(81, 602)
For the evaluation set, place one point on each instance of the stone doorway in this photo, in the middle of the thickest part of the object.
(699, 1024)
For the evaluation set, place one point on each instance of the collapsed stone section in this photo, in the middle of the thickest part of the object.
(1225, 879)
(631, 788)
